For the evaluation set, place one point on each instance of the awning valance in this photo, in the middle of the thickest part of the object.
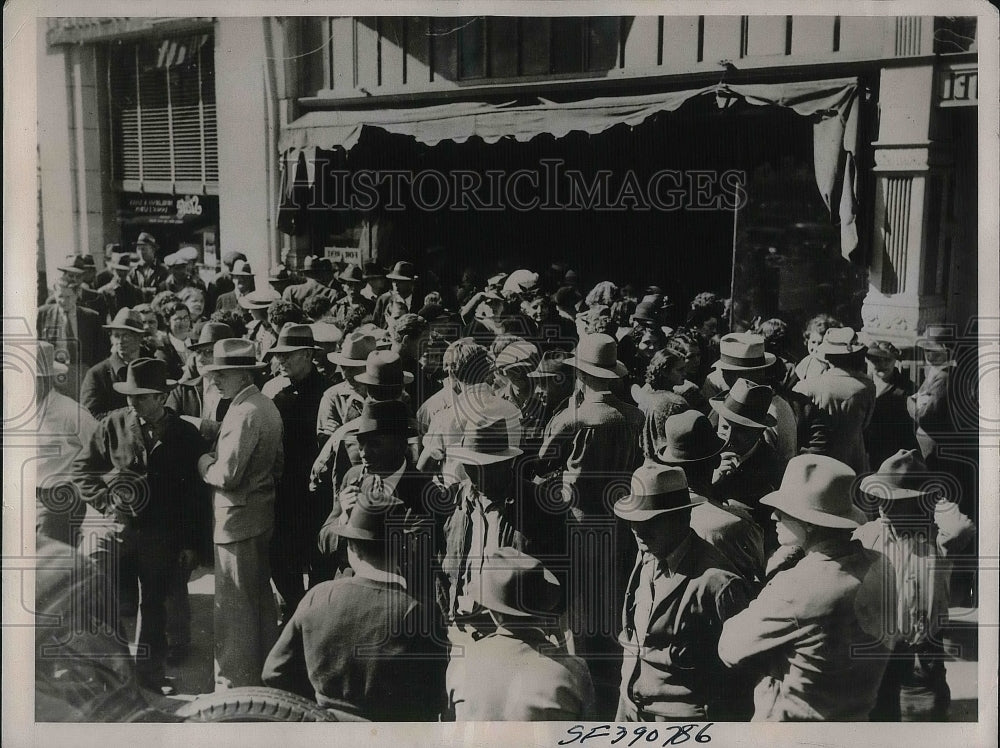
(830, 102)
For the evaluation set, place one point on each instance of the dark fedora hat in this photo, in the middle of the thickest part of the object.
(902, 476)
(384, 369)
(146, 238)
(552, 364)
(746, 404)
(293, 338)
(402, 270)
(655, 490)
(743, 351)
(937, 338)
(485, 442)
(372, 270)
(689, 437)
(385, 416)
(146, 376)
(646, 311)
(126, 319)
(367, 517)
(78, 264)
(316, 265)
(210, 333)
(517, 584)
(351, 274)
(233, 353)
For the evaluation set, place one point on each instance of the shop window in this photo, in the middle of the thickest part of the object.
(161, 95)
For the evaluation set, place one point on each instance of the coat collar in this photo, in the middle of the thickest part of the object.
(245, 394)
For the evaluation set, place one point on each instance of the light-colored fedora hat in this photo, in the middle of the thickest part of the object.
(354, 350)
(746, 404)
(233, 353)
(902, 476)
(517, 584)
(655, 490)
(484, 442)
(817, 489)
(597, 354)
(743, 351)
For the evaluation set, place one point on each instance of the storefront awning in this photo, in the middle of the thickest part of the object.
(830, 102)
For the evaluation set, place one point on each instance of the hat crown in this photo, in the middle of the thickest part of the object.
(241, 267)
(654, 489)
(145, 238)
(404, 269)
(817, 483)
(384, 415)
(214, 331)
(384, 368)
(904, 470)
(293, 334)
(689, 436)
(369, 514)
(598, 349)
(127, 318)
(518, 584)
(234, 351)
(743, 345)
(147, 373)
(357, 346)
(749, 400)
(518, 352)
(352, 273)
(487, 437)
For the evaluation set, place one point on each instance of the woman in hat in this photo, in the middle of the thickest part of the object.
(817, 633)
(919, 533)
(891, 427)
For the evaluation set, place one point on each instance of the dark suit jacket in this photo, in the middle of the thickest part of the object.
(96, 394)
(168, 473)
(147, 278)
(92, 342)
(891, 427)
(169, 355)
(359, 644)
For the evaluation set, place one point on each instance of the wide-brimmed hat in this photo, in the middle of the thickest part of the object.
(743, 351)
(520, 354)
(384, 369)
(293, 337)
(402, 270)
(368, 517)
(655, 490)
(146, 376)
(126, 319)
(484, 442)
(689, 437)
(746, 404)
(175, 261)
(434, 313)
(188, 253)
(44, 357)
(646, 311)
(517, 584)
(521, 281)
(817, 489)
(261, 298)
(902, 476)
(354, 351)
(78, 264)
(230, 258)
(241, 268)
(145, 238)
(122, 260)
(882, 349)
(385, 416)
(597, 354)
(351, 274)
(233, 353)
(552, 364)
(839, 343)
(316, 265)
(211, 332)
(937, 338)
(279, 274)
(326, 334)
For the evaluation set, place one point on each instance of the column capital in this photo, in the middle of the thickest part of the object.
(920, 156)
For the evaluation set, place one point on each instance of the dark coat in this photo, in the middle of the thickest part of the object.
(92, 341)
(174, 361)
(96, 393)
(147, 278)
(167, 502)
(891, 427)
(360, 645)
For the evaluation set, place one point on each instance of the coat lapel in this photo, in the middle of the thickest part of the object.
(140, 441)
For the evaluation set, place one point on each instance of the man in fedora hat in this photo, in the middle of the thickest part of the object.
(845, 393)
(750, 467)
(74, 331)
(891, 427)
(345, 400)
(517, 672)
(243, 471)
(360, 643)
(61, 427)
(241, 275)
(318, 273)
(179, 274)
(97, 393)
(680, 593)
(692, 444)
(82, 271)
(297, 391)
(139, 469)
(376, 283)
(223, 282)
(352, 279)
(403, 276)
(818, 633)
(148, 273)
(594, 443)
(259, 330)
(118, 292)
(919, 532)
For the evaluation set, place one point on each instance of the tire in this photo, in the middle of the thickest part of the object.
(259, 704)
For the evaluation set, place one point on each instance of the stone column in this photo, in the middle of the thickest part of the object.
(913, 175)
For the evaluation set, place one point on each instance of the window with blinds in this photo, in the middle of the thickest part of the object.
(161, 95)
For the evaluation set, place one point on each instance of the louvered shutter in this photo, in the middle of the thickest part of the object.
(162, 98)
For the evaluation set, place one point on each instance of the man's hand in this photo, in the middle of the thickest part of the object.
(326, 540)
(205, 462)
(729, 464)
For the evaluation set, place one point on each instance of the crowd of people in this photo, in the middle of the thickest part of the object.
(511, 500)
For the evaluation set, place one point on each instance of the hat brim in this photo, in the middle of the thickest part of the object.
(769, 359)
(291, 349)
(340, 360)
(669, 457)
(365, 379)
(73, 270)
(202, 346)
(393, 276)
(221, 367)
(126, 328)
(119, 266)
(642, 515)
(786, 502)
(411, 430)
(240, 274)
(471, 457)
(586, 367)
(125, 389)
(719, 406)
(839, 353)
(489, 601)
(885, 492)
(243, 302)
(354, 533)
